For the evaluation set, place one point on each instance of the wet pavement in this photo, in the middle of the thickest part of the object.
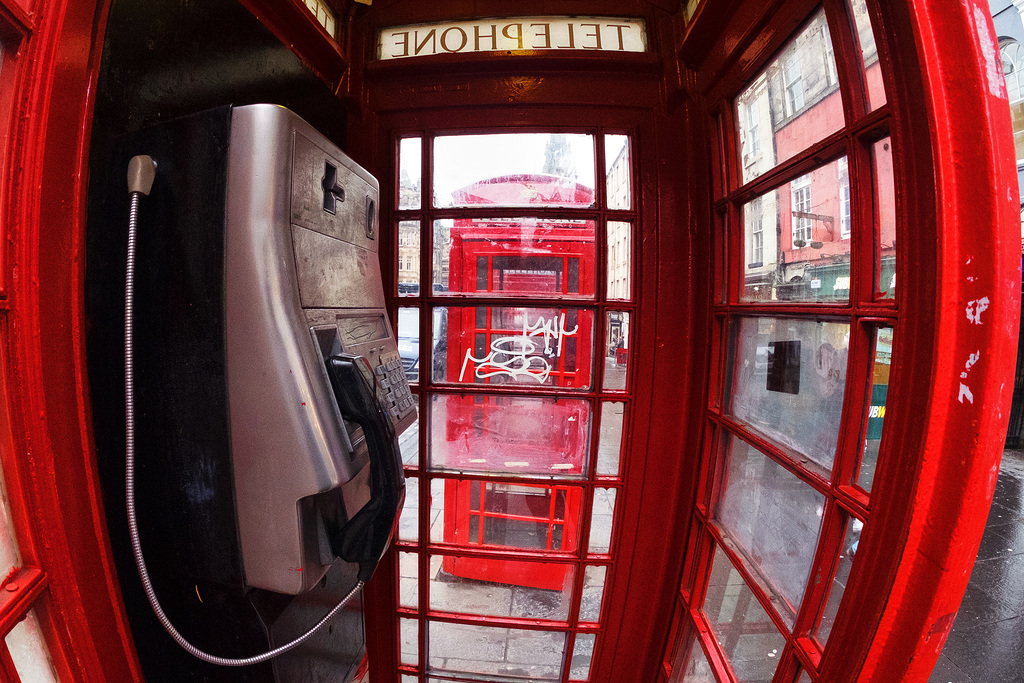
(986, 644)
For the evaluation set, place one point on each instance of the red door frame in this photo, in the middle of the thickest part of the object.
(941, 96)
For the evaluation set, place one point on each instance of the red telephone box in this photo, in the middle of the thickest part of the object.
(550, 345)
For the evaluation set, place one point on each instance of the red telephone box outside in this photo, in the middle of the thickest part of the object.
(550, 345)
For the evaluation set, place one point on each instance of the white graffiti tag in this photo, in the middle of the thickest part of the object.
(522, 356)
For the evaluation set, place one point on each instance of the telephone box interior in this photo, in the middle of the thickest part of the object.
(708, 311)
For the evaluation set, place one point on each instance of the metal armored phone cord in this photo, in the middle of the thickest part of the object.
(141, 171)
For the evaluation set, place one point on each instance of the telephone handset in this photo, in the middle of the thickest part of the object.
(364, 538)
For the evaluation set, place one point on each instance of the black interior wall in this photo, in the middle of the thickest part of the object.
(164, 59)
(168, 58)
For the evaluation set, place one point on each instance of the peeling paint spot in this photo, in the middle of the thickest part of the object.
(976, 308)
(965, 392)
(993, 72)
(974, 358)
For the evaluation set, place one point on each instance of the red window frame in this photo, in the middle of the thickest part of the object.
(896, 624)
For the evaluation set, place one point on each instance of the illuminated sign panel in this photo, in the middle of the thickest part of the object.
(514, 34)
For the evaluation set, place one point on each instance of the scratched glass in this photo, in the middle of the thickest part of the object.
(408, 521)
(501, 588)
(582, 656)
(514, 169)
(609, 445)
(408, 580)
(773, 517)
(29, 652)
(535, 257)
(531, 517)
(787, 377)
(618, 171)
(531, 347)
(844, 564)
(876, 410)
(749, 639)
(602, 518)
(521, 435)
(593, 593)
(409, 173)
(410, 645)
(408, 255)
(691, 665)
(408, 334)
(793, 103)
(885, 217)
(409, 442)
(620, 263)
(872, 69)
(616, 350)
(797, 239)
(487, 652)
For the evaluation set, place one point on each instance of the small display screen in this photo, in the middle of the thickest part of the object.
(362, 330)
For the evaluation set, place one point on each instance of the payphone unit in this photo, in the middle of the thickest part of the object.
(266, 384)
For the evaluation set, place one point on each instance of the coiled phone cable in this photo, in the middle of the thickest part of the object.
(141, 172)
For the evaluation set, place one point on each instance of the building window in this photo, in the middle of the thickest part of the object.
(844, 198)
(1013, 69)
(752, 117)
(802, 222)
(793, 82)
(755, 224)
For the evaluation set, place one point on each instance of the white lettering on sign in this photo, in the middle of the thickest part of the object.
(521, 356)
(515, 34)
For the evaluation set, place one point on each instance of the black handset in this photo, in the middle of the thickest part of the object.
(364, 538)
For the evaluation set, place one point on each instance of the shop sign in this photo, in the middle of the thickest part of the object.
(513, 35)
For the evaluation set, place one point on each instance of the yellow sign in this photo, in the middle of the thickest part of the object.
(513, 35)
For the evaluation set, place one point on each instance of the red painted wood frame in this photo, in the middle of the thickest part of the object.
(958, 239)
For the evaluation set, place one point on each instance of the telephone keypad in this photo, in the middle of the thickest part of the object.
(391, 379)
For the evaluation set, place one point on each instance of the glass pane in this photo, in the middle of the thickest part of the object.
(534, 347)
(616, 354)
(804, 677)
(842, 575)
(788, 378)
(593, 593)
(514, 169)
(408, 581)
(440, 261)
(749, 639)
(792, 104)
(408, 522)
(774, 518)
(797, 239)
(697, 669)
(885, 218)
(406, 678)
(408, 258)
(501, 588)
(409, 442)
(10, 557)
(609, 445)
(409, 342)
(409, 629)
(876, 411)
(582, 656)
(29, 652)
(516, 654)
(869, 54)
(616, 158)
(518, 256)
(602, 514)
(409, 172)
(620, 246)
(521, 435)
(525, 516)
